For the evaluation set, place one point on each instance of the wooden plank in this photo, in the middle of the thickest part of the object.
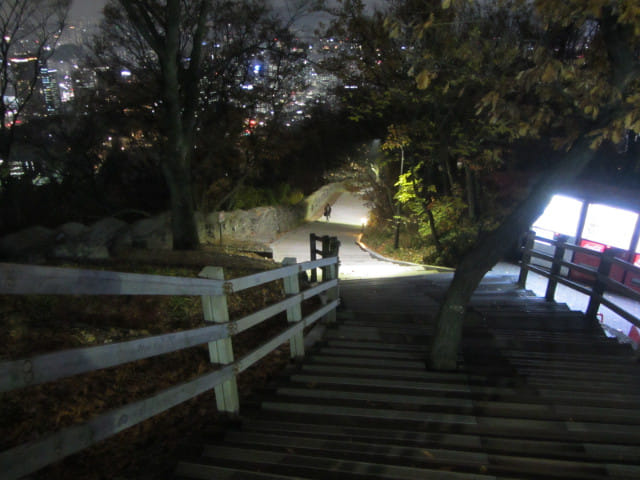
(620, 311)
(18, 279)
(27, 458)
(399, 385)
(336, 466)
(255, 280)
(257, 317)
(266, 348)
(208, 472)
(53, 366)
(361, 450)
(371, 413)
(358, 396)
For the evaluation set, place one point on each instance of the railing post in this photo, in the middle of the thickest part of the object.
(312, 256)
(294, 314)
(220, 351)
(606, 259)
(330, 248)
(530, 239)
(558, 256)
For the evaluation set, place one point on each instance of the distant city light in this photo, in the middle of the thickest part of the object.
(125, 73)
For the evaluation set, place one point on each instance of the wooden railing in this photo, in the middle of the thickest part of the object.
(25, 279)
(600, 283)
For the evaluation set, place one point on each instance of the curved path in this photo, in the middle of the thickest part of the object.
(346, 219)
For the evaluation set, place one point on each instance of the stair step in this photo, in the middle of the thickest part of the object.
(474, 407)
(361, 449)
(370, 362)
(332, 466)
(417, 456)
(212, 472)
(349, 346)
(370, 413)
(560, 449)
(369, 353)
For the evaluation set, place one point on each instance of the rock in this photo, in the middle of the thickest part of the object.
(105, 231)
(30, 244)
(96, 242)
(152, 233)
(70, 231)
(79, 250)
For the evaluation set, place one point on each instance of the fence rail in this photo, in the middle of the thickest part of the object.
(601, 282)
(26, 279)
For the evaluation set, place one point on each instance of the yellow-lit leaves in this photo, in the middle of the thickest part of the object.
(446, 4)
(424, 79)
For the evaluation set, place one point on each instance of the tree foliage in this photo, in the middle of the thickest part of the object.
(534, 90)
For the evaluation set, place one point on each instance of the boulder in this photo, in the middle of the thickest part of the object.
(69, 231)
(96, 241)
(29, 244)
(79, 250)
(152, 233)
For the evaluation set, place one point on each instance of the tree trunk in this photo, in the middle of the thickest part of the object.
(472, 197)
(489, 249)
(434, 231)
(183, 224)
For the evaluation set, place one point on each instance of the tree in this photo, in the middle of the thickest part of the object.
(580, 88)
(198, 53)
(411, 74)
(29, 33)
(491, 80)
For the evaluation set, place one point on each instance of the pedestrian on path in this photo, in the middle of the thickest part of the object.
(327, 211)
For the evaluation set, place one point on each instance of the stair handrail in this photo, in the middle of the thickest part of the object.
(601, 282)
(17, 279)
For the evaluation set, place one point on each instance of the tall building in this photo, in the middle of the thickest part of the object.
(50, 89)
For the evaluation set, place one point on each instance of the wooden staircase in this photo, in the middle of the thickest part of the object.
(540, 394)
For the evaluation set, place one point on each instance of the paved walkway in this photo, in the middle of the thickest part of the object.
(347, 215)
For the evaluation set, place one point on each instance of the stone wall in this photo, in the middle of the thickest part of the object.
(258, 226)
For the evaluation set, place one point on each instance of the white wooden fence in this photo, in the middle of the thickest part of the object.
(26, 279)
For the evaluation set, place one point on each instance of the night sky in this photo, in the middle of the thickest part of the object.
(92, 8)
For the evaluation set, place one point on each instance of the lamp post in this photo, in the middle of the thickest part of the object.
(396, 243)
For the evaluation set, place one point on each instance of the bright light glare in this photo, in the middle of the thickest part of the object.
(610, 226)
(561, 216)
(363, 221)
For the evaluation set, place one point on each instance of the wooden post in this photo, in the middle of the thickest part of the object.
(220, 351)
(530, 239)
(558, 256)
(330, 248)
(312, 256)
(606, 259)
(294, 314)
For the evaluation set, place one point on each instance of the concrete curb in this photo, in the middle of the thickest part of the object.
(377, 256)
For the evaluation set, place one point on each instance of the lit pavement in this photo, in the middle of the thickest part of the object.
(347, 214)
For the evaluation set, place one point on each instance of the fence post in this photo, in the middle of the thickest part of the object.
(330, 248)
(606, 259)
(220, 351)
(530, 239)
(312, 256)
(558, 256)
(294, 314)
